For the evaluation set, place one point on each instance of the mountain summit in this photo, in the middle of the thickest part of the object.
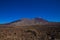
(29, 22)
(40, 20)
(25, 21)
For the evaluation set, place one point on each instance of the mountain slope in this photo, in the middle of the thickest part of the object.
(25, 21)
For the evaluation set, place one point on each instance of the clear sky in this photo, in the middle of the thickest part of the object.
(11, 10)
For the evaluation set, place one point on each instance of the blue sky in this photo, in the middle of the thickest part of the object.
(11, 10)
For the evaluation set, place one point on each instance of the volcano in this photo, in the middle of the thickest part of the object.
(25, 22)
(29, 22)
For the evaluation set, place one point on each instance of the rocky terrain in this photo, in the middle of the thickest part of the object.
(30, 29)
